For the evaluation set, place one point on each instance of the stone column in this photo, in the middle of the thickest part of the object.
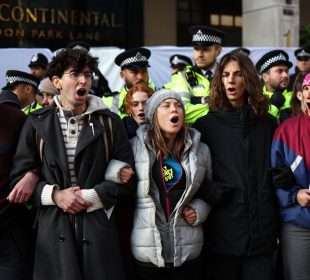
(270, 23)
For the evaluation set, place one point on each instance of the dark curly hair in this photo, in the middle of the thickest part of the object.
(76, 58)
(254, 96)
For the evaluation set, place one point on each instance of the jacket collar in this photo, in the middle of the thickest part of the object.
(192, 138)
(94, 104)
(48, 128)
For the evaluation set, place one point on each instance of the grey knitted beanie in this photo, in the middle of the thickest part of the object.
(47, 86)
(157, 98)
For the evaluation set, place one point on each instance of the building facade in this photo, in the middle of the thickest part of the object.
(126, 24)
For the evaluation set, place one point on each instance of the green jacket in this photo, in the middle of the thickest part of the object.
(273, 110)
(193, 87)
(115, 102)
(32, 107)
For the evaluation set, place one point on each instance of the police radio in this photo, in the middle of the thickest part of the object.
(191, 77)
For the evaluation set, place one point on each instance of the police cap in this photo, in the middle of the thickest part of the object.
(133, 58)
(273, 58)
(14, 77)
(38, 59)
(302, 54)
(204, 36)
(79, 45)
(242, 50)
(179, 61)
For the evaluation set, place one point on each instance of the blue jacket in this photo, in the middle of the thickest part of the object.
(291, 148)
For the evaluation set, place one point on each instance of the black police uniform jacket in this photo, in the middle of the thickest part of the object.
(82, 246)
(240, 144)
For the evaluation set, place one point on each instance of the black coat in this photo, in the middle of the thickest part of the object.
(292, 79)
(83, 246)
(131, 126)
(240, 143)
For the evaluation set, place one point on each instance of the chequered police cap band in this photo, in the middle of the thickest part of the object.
(177, 60)
(279, 57)
(303, 53)
(137, 58)
(200, 37)
(14, 79)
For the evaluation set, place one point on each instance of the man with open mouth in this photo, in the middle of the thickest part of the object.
(73, 141)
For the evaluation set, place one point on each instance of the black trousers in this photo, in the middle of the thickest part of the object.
(17, 248)
(219, 267)
(191, 270)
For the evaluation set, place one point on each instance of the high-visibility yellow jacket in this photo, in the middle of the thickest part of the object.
(32, 107)
(194, 89)
(115, 101)
(273, 110)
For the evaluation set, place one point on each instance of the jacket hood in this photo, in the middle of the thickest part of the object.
(95, 103)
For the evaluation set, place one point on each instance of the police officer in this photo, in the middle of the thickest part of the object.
(302, 65)
(38, 65)
(100, 85)
(274, 68)
(25, 87)
(134, 64)
(193, 84)
(242, 50)
(177, 63)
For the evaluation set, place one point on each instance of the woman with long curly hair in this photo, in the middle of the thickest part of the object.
(171, 164)
(242, 226)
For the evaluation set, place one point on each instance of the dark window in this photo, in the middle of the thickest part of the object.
(225, 15)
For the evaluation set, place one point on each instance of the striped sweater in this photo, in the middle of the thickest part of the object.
(291, 148)
(70, 127)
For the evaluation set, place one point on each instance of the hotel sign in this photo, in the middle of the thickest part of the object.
(54, 24)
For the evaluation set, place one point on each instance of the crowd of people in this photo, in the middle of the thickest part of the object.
(204, 178)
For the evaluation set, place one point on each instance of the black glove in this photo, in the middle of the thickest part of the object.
(277, 99)
(107, 94)
(215, 193)
(285, 114)
(282, 177)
